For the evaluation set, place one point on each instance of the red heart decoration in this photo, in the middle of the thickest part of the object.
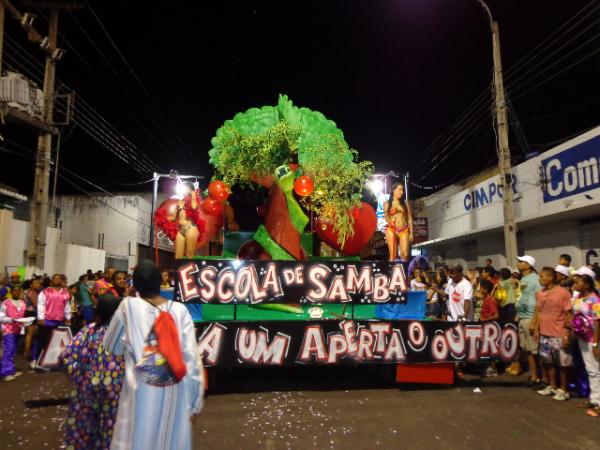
(365, 223)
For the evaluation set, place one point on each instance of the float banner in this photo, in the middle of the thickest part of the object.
(253, 282)
(252, 344)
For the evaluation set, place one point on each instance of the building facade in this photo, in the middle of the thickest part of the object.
(556, 204)
(116, 224)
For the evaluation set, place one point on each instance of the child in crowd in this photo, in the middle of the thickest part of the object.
(553, 315)
(11, 309)
(565, 260)
(586, 330)
(98, 377)
(489, 312)
(506, 295)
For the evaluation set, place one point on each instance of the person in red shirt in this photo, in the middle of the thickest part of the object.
(553, 314)
(489, 308)
(489, 312)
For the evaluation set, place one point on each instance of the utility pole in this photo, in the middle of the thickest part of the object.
(45, 127)
(504, 164)
(39, 205)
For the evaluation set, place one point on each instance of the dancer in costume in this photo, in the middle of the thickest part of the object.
(11, 309)
(98, 377)
(53, 308)
(399, 233)
(184, 215)
(161, 392)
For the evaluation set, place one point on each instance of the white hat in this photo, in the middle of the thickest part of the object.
(528, 259)
(585, 270)
(563, 270)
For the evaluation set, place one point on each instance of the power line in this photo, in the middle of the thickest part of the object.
(560, 72)
(556, 61)
(73, 184)
(558, 113)
(133, 73)
(472, 112)
(133, 184)
(550, 39)
(476, 107)
(125, 85)
(99, 131)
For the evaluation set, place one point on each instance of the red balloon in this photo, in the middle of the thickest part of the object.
(365, 223)
(211, 207)
(303, 186)
(261, 210)
(219, 191)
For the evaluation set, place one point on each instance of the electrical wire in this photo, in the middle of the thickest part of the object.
(133, 73)
(73, 184)
(556, 74)
(91, 115)
(550, 40)
(91, 127)
(524, 63)
(476, 106)
(152, 118)
(134, 184)
(558, 113)
(554, 63)
(442, 157)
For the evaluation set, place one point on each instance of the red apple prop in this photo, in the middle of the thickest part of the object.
(365, 223)
(211, 207)
(219, 191)
(303, 186)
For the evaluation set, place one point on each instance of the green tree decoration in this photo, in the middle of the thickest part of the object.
(262, 145)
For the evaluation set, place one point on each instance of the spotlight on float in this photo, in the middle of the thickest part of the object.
(375, 185)
(180, 188)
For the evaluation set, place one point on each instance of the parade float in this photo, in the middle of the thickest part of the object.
(271, 298)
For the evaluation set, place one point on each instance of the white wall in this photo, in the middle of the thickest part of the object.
(84, 220)
(123, 220)
(74, 260)
(13, 240)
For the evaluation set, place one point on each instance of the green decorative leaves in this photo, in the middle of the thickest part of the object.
(255, 143)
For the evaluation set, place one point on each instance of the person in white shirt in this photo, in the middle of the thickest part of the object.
(459, 292)
(419, 282)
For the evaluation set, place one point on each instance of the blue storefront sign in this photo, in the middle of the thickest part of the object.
(572, 171)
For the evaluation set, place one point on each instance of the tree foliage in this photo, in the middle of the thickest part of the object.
(255, 143)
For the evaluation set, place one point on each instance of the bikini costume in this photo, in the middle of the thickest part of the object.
(397, 229)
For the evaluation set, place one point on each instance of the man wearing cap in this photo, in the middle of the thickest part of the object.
(459, 294)
(530, 284)
(563, 276)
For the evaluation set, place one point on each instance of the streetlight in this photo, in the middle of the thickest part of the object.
(179, 190)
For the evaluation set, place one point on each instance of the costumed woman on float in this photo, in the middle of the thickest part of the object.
(185, 215)
(399, 232)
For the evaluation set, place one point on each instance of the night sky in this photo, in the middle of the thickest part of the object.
(392, 74)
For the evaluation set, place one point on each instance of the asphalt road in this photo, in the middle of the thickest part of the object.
(332, 409)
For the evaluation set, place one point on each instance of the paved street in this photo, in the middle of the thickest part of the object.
(332, 409)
